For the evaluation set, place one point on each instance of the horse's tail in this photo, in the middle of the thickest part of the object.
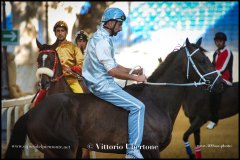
(17, 139)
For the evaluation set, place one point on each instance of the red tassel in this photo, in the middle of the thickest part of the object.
(198, 153)
(40, 96)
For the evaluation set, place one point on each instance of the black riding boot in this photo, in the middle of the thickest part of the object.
(215, 99)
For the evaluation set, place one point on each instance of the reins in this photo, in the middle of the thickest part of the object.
(167, 84)
(189, 56)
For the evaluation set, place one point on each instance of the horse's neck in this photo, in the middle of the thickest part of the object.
(61, 85)
(169, 98)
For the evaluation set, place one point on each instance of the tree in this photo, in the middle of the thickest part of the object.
(91, 20)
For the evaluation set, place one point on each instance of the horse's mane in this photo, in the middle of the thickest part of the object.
(161, 68)
(158, 71)
(168, 61)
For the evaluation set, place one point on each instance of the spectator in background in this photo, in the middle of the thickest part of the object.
(223, 62)
(81, 40)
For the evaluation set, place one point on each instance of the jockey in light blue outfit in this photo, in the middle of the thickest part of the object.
(99, 70)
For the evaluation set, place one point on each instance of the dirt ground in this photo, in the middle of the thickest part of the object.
(221, 142)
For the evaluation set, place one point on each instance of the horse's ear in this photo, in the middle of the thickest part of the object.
(55, 45)
(160, 60)
(187, 42)
(39, 45)
(199, 42)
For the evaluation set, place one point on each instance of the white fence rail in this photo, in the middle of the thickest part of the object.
(15, 105)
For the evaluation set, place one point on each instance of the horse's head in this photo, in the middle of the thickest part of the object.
(200, 68)
(47, 64)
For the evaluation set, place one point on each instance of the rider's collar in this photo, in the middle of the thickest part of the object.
(104, 31)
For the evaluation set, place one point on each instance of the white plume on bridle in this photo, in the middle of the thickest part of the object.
(43, 70)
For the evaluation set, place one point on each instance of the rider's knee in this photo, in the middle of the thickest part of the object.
(138, 106)
(142, 107)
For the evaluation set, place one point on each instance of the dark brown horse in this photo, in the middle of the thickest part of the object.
(50, 74)
(196, 108)
(62, 123)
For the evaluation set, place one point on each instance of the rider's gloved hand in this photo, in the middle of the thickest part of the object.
(76, 69)
(138, 71)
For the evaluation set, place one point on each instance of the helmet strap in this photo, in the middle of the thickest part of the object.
(111, 29)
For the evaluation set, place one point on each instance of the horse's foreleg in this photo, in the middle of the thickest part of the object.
(196, 124)
(79, 153)
(197, 137)
(186, 143)
(83, 153)
(198, 153)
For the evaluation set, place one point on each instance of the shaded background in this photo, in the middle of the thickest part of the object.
(152, 30)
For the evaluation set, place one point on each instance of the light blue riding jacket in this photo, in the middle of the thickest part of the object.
(98, 60)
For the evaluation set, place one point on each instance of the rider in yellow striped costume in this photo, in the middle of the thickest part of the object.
(70, 55)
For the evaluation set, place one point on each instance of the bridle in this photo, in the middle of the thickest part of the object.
(50, 72)
(206, 82)
(202, 80)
